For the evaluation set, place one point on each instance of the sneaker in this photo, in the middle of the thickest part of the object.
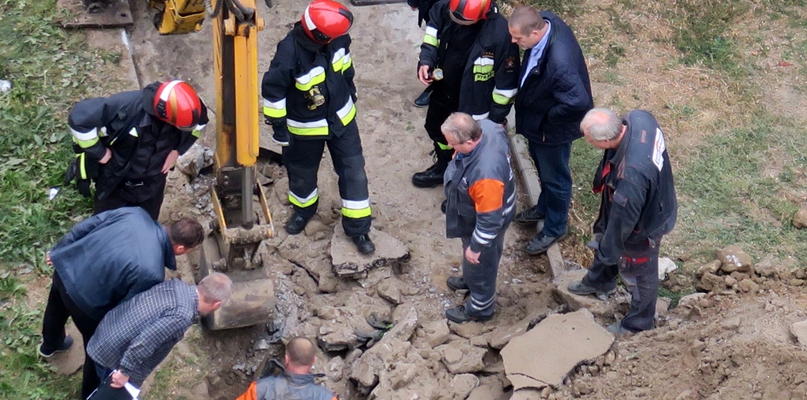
(49, 352)
(529, 216)
(459, 315)
(281, 137)
(541, 243)
(456, 283)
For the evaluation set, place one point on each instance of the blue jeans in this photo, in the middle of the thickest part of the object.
(552, 163)
(639, 271)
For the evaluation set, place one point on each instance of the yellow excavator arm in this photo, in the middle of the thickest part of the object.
(234, 245)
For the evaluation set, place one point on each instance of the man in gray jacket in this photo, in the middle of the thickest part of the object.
(105, 260)
(480, 203)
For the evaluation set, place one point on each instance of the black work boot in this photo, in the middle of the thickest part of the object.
(423, 99)
(364, 244)
(433, 176)
(456, 283)
(459, 315)
(296, 223)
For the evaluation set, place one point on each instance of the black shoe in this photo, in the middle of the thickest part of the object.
(443, 206)
(456, 283)
(581, 289)
(281, 138)
(459, 315)
(431, 177)
(618, 330)
(296, 224)
(364, 244)
(529, 216)
(540, 243)
(423, 99)
(47, 352)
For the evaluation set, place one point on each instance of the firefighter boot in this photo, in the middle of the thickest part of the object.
(433, 176)
(296, 223)
(364, 244)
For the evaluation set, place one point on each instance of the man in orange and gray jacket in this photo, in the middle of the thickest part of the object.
(295, 381)
(480, 203)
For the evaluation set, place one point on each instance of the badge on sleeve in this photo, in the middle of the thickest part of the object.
(658, 150)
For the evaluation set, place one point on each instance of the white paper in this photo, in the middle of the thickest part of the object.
(132, 390)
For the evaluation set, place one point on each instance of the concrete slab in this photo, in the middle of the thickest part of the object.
(599, 307)
(547, 353)
(347, 261)
(69, 362)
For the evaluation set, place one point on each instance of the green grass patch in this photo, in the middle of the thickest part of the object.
(701, 32)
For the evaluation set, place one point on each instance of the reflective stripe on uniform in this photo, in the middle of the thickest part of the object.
(503, 97)
(341, 60)
(313, 77)
(274, 109)
(197, 131)
(347, 113)
(356, 208)
(444, 146)
(483, 65)
(482, 238)
(431, 36)
(82, 169)
(85, 139)
(304, 202)
(480, 117)
(313, 128)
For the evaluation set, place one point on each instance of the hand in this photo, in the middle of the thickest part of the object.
(472, 256)
(170, 160)
(424, 76)
(119, 379)
(107, 156)
(47, 258)
(413, 8)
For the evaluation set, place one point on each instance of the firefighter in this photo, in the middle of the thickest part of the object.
(309, 96)
(127, 143)
(468, 58)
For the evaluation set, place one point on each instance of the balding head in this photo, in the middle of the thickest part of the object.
(300, 353)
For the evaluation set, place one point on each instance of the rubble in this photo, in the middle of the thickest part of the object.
(460, 357)
(733, 258)
(194, 160)
(347, 261)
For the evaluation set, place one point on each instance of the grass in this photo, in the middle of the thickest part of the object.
(50, 69)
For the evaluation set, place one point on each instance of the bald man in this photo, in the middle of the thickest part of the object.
(296, 380)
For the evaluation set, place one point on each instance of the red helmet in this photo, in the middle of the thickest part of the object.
(324, 20)
(178, 104)
(469, 11)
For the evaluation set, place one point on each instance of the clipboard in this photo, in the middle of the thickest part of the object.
(106, 392)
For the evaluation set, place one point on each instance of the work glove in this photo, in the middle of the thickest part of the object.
(83, 171)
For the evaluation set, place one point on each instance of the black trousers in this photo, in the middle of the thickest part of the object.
(126, 195)
(639, 271)
(440, 108)
(302, 159)
(60, 306)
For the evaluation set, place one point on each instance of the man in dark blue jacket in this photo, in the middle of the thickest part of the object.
(638, 207)
(105, 260)
(554, 93)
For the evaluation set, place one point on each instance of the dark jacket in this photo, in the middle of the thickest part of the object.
(557, 92)
(110, 257)
(480, 190)
(301, 68)
(287, 386)
(638, 193)
(127, 124)
(490, 80)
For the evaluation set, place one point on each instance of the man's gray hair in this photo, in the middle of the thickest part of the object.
(526, 19)
(462, 127)
(216, 287)
(601, 124)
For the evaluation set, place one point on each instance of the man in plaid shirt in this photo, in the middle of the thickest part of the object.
(137, 335)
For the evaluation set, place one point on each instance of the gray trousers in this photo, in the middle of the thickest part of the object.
(481, 278)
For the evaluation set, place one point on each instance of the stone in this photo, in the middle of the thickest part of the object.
(347, 261)
(730, 281)
(501, 335)
(768, 267)
(748, 286)
(335, 369)
(390, 290)
(691, 300)
(436, 332)
(796, 282)
(461, 385)
(336, 337)
(733, 258)
(479, 341)
(710, 283)
(487, 390)
(552, 349)
(315, 226)
(600, 308)
(665, 266)
(731, 324)
(194, 160)
(405, 320)
(403, 376)
(799, 331)
(460, 357)
(800, 219)
(470, 329)
(710, 268)
(662, 305)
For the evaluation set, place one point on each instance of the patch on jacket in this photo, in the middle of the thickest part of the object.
(658, 150)
(510, 63)
(620, 199)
